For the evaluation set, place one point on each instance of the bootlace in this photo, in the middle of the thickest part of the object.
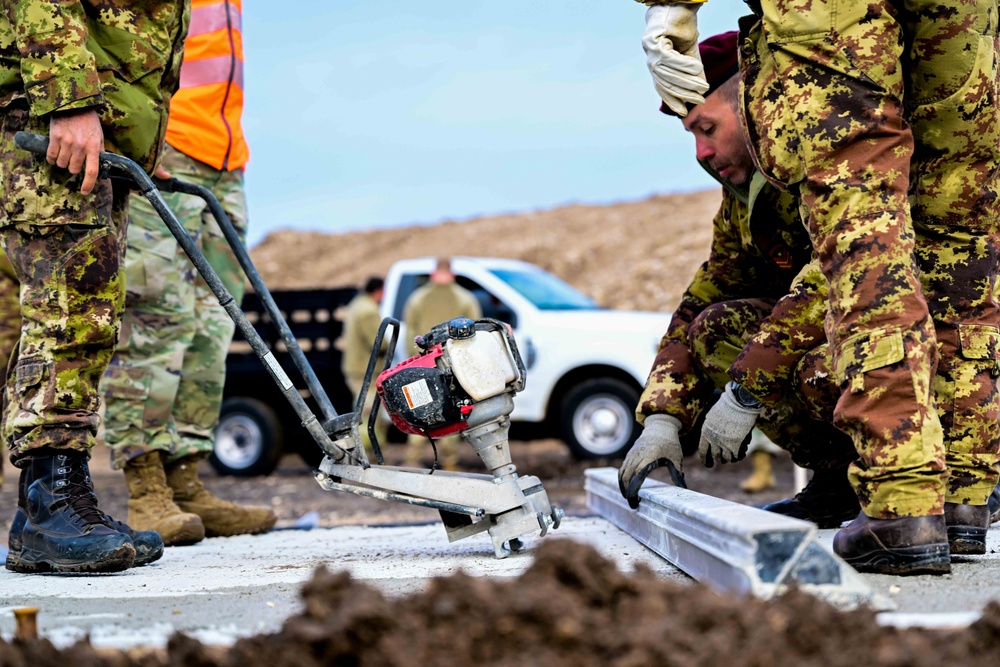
(76, 491)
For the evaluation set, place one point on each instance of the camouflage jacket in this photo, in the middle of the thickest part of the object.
(121, 57)
(760, 250)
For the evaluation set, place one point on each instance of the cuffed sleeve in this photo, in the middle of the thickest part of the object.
(58, 71)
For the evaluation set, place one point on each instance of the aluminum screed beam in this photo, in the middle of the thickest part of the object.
(732, 547)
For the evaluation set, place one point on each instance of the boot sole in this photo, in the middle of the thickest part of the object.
(927, 559)
(967, 540)
(233, 533)
(185, 536)
(27, 562)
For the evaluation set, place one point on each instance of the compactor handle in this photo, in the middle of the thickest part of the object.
(39, 145)
(33, 143)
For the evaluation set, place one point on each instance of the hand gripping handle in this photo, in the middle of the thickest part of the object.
(39, 145)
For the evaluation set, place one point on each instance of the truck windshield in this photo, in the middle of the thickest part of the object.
(545, 290)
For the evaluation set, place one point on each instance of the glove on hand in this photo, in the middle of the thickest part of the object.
(671, 45)
(727, 425)
(659, 443)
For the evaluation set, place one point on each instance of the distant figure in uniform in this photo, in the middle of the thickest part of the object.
(440, 300)
(360, 328)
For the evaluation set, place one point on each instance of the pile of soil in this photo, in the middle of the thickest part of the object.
(572, 608)
(629, 255)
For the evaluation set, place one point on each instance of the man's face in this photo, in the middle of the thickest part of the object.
(719, 139)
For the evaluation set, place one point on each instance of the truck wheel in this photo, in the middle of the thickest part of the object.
(248, 439)
(598, 419)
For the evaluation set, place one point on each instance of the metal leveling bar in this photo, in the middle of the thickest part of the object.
(731, 547)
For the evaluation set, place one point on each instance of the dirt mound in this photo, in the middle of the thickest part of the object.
(631, 255)
(572, 608)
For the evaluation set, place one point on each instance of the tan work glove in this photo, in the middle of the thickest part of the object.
(671, 45)
(726, 432)
(659, 443)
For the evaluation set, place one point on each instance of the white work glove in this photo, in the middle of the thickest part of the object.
(659, 443)
(671, 45)
(725, 434)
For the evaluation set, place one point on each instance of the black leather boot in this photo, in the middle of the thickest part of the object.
(148, 545)
(967, 526)
(907, 545)
(64, 531)
(828, 500)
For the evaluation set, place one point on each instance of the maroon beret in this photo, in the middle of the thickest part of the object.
(720, 57)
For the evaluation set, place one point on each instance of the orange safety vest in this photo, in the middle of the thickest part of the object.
(205, 114)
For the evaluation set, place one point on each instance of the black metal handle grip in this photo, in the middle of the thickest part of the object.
(34, 143)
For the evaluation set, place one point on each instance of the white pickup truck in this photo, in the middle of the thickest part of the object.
(585, 365)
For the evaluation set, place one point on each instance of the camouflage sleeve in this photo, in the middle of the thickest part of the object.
(674, 382)
(58, 72)
(795, 326)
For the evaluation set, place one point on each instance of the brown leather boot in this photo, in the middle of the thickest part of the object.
(967, 525)
(907, 545)
(151, 503)
(762, 477)
(221, 517)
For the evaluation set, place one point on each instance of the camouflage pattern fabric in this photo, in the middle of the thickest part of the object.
(952, 106)
(756, 253)
(66, 252)
(163, 389)
(823, 104)
(118, 56)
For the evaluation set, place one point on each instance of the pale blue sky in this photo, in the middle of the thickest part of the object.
(386, 113)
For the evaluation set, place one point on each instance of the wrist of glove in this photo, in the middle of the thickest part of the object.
(726, 432)
(670, 41)
(658, 444)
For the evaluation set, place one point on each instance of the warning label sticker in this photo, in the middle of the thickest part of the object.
(417, 394)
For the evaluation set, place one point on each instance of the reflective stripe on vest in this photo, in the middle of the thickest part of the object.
(206, 112)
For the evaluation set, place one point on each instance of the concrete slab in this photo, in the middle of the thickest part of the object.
(225, 588)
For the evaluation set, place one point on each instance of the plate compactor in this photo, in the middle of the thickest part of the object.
(463, 382)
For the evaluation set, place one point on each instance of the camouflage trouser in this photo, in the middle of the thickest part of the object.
(716, 337)
(66, 251)
(823, 104)
(163, 389)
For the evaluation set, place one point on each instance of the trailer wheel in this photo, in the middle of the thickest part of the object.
(248, 439)
(598, 419)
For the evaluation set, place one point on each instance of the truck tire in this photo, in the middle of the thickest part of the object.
(598, 419)
(248, 439)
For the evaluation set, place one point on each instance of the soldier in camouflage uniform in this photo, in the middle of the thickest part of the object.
(883, 118)
(752, 313)
(163, 389)
(92, 75)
